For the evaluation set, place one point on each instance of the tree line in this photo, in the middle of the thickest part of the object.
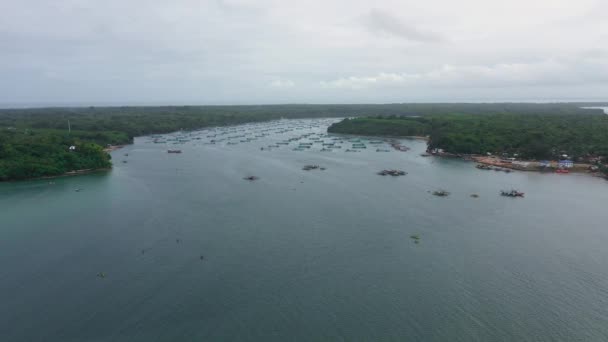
(35, 142)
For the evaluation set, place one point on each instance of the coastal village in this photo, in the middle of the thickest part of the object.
(507, 163)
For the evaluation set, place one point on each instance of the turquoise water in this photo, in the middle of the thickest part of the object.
(301, 255)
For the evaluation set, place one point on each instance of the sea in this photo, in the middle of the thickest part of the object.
(183, 247)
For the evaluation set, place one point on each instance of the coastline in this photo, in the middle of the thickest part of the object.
(66, 174)
(522, 165)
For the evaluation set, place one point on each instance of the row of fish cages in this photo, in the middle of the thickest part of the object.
(245, 133)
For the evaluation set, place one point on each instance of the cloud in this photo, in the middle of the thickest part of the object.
(282, 84)
(221, 51)
(548, 72)
(384, 23)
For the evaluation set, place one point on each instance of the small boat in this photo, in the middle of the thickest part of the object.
(441, 193)
(251, 178)
(562, 171)
(174, 151)
(511, 193)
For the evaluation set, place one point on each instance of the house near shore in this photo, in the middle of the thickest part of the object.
(565, 164)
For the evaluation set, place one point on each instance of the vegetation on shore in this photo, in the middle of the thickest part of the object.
(35, 142)
(28, 153)
(539, 136)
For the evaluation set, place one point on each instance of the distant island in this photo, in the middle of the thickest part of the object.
(582, 137)
(42, 142)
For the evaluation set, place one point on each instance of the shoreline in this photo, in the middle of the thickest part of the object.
(111, 148)
(66, 174)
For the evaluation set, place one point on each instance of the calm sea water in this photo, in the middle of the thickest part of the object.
(301, 255)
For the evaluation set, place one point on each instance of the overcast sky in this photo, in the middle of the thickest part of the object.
(281, 51)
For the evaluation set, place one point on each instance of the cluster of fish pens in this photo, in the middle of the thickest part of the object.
(296, 135)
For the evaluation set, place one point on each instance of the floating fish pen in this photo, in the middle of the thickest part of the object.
(375, 142)
(382, 150)
(394, 173)
(441, 193)
(511, 193)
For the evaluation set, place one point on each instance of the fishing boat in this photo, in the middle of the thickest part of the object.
(174, 151)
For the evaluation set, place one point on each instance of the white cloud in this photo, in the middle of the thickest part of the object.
(282, 84)
(549, 72)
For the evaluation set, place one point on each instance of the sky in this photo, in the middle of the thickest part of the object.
(281, 51)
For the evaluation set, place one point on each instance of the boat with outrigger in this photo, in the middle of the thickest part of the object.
(251, 178)
(511, 193)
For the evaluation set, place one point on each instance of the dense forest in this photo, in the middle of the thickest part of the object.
(37, 153)
(539, 136)
(35, 142)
